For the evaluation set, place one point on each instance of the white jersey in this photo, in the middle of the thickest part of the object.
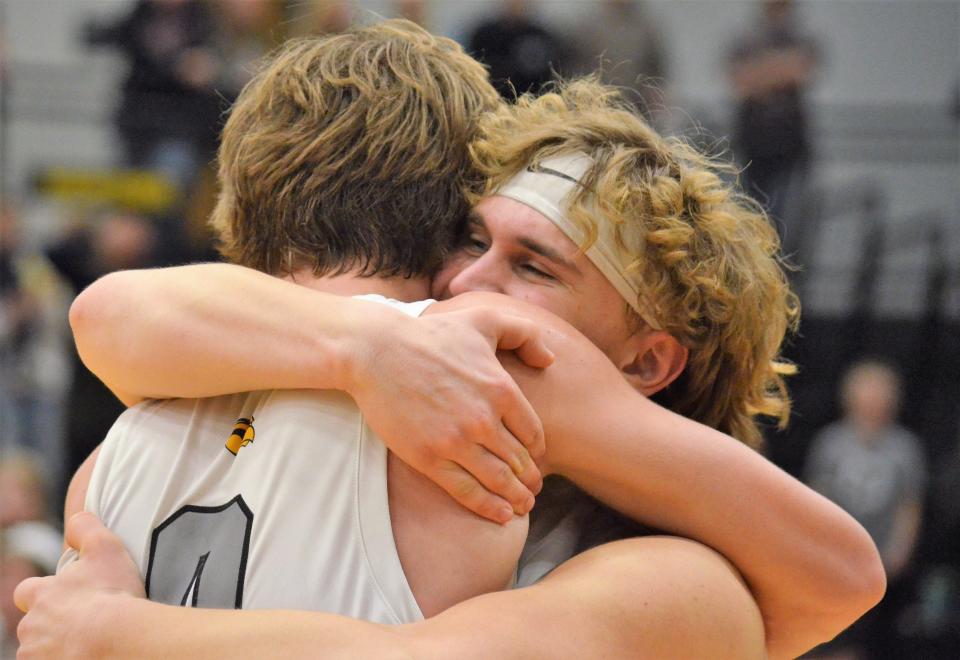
(274, 499)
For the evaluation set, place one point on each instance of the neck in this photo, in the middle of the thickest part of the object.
(351, 284)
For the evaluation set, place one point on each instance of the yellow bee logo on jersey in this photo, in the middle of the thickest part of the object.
(243, 434)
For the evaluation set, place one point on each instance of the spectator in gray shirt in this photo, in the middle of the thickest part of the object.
(872, 467)
(875, 469)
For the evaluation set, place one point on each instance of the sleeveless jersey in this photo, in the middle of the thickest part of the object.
(273, 499)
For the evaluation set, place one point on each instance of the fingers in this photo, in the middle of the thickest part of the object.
(522, 421)
(470, 494)
(494, 483)
(25, 595)
(79, 527)
(86, 533)
(498, 477)
(534, 353)
(505, 447)
(523, 336)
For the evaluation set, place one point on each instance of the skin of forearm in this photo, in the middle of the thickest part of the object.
(125, 627)
(808, 563)
(634, 598)
(654, 597)
(183, 311)
(812, 568)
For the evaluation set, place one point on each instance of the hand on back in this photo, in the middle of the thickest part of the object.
(437, 395)
(62, 611)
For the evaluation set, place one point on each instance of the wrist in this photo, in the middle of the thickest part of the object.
(106, 630)
(366, 331)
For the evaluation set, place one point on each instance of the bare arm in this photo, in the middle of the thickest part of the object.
(77, 490)
(812, 568)
(653, 597)
(211, 329)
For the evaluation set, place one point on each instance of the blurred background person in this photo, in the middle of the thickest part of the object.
(169, 115)
(23, 492)
(19, 318)
(520, 52)
(244, 31)
(31, 360)
(876, 470)
(624, 40)
(771, 69)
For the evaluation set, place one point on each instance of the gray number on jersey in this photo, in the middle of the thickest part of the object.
(198, 556)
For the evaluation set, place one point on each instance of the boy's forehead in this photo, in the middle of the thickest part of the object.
(497, 208)
(514, 219)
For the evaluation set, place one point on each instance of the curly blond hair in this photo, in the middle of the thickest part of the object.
(349, 153)
(706, 254)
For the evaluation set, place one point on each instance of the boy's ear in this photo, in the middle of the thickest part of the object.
(654, 360)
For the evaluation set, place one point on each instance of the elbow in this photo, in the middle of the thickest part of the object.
(856, 583)
(88, 309)
(864, 583)
(874, 579)
(83, 313)
(91, 315)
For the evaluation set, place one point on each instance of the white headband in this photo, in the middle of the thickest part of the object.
(545, 188)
